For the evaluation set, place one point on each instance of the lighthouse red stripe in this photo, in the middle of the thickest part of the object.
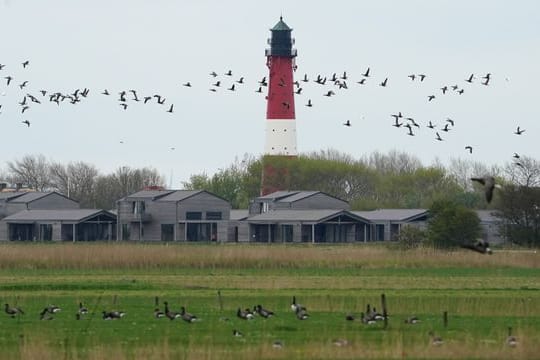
(280, 104)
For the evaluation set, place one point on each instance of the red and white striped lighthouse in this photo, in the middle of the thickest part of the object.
(280, 114)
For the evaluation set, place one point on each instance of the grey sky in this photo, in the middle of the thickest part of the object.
(156, 46)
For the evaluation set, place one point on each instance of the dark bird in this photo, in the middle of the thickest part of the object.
(240, 81)
(213, 73)
(158, 314)
(347, 123)
(383, 84)
(295, 306)
(25, 64)
(105, 92)
(431, 97)
(480, 246)
(517, 163)
(455, 87)
(2, 66)
(286, 104)
(245, 314)
(397, 123)
(188, 84)
(228, 73)
(217, 84)
(430, 125)
(366, 74)
(124, 105)
(450, 121)
(439, 138)
(170, 109)
(516, 156)
(53, 309)
(487, 76)
(13, 311)
(519, 131)
(24, 108)
(444, 89)
(486, 81)
(8, 78)
(44, 315)
(170, 314)
(301, 314)
(259, 90)
(410, 133)
(446, 128)
(263, 81)
(231, 88)
(422, 77)
(43, 92)
(468, 147)
(511, 340)
(309, 104)
(305, 79)
(187, 317)
(298, 91)
(134, 93)
(362, 82)
(265, 313)
(461, 91)
(412, 76)
(470, 79)
(24, 83)
(113, 315)
(82, 309)
(147, 99)
(329, 93)
(489, 185)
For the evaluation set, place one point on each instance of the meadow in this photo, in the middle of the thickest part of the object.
(483, 295)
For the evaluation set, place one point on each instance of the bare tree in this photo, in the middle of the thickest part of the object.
(523, 172)
(32, 170)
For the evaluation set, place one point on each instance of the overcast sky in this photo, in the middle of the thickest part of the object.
(155, 46)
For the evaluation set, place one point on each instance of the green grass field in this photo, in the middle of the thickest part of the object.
(483, 296)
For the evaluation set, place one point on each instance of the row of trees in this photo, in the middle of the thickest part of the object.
(79, 180)
(392, 180)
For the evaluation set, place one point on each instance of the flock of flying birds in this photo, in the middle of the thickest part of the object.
(229, 82)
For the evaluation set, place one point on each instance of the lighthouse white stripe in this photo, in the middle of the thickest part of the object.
(280, 137)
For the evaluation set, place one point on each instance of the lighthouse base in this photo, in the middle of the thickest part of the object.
(280, 137)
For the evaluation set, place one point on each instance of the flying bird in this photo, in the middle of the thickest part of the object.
(26, 122)
(470, 79)
(347, 123)
(431, 97)
(231, 88)
(468, 147)
(213, 73)
(25, 64)
(519, 131)
(170, 109)
(430, 125)
(309, 104)
(8, 78)
(422, 77)
(489, 185)
(450, 121)
(383, 84)
(362, 82)
(228, 73)
(439, 138)
(188, 84)
(366, 74)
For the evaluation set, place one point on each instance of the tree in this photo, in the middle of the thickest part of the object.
(519, 208)
(32, 170)
(452, 225)
(77, 180)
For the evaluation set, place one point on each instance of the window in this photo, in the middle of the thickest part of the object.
(167, 232)
(193, 215)
(287, 232)
(45, 232)
(125, 232)
(138, 207)
(213, 215)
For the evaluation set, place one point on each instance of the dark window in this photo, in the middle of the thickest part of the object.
(198, 232)
(287, 233)
(167, 232)
(193, 215)
(138, 207)
(125, 231)
(213, 215)
(45, 232)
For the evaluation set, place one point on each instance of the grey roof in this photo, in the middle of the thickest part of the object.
(276, 195)
(299, 196)
(292, 196)
(281, 26)
(30, 196)
(239, 214)
(179, 195)
(149, 194)
(10, 194)
(72, 215)
(392, 214)
(315, 216)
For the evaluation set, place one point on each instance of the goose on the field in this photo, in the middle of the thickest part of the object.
(187, 316)
(265, 313)
(245, 314)
(82, 309)
(13, 311)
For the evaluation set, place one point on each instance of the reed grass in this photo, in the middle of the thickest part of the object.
(147, 256)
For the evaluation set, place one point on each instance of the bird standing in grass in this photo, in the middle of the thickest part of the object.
(13, 311)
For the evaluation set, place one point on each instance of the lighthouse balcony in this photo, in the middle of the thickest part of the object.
(281, 52)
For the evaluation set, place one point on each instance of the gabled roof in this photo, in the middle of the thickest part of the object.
(392, 214)
(10, 195)
(30, 196)
(148, 194)
(313, 216)
(292, 196)
(71, 215)
(179, 195)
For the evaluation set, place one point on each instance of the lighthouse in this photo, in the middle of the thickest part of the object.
(280, 137)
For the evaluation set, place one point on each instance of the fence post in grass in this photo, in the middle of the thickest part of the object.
(220, 300)
(445, 318)
(385, 312)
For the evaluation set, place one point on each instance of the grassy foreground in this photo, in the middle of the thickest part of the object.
(483, 295)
